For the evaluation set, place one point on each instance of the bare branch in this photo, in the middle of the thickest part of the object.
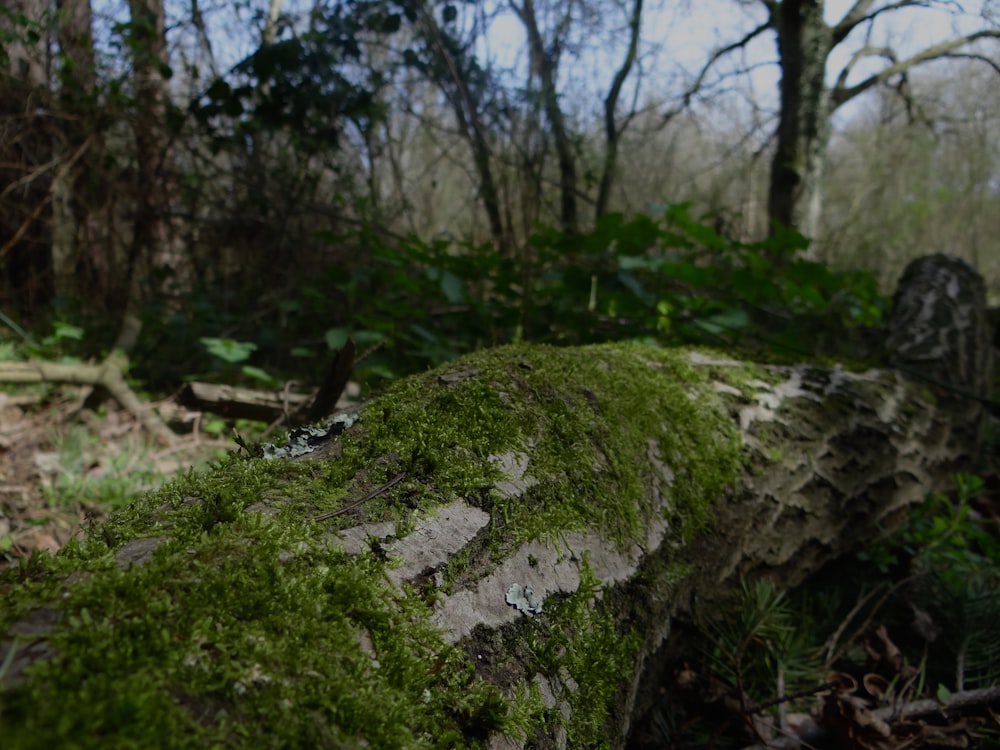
(842, 94)
(854, 16)
(859, 14)
(850, 22)
(716, 56)
(979, 58)
(861, 54)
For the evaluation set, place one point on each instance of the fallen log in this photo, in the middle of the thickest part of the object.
(489, 556)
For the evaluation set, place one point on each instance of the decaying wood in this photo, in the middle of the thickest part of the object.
(826, 455)
(241, 403)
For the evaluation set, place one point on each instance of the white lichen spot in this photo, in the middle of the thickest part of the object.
(524, 599)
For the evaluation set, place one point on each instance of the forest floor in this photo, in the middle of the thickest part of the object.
(63, 466)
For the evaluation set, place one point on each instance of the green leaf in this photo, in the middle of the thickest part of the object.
(943, 695)
(454, 290)
(261, 376)
(66, 331)
(424, 333)
(337, 337)
(214, 426)
(366, 338)
(229, 350)
(735, 318)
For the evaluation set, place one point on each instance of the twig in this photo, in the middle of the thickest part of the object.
(363, 499)
(60, 173)
(968, 698)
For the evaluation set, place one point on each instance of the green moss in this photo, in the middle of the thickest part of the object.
(208, 641)
(591, 648)
(586, 417)
(247, 628)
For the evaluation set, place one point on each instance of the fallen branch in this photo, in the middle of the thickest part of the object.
(109, 374)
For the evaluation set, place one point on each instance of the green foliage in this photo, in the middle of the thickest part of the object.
(16, 28)
(669, 278)
(931, 589)
(757, 638)
(300, 84)
(942, 537)
(955, 566)
(229, 350)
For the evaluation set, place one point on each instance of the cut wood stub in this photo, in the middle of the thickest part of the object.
(939, 334)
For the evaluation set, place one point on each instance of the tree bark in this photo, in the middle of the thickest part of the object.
(77, 191)
(26, 159)
(612, 130)
(490, 556)
(450, 72)
(156, 249)
(804, 44)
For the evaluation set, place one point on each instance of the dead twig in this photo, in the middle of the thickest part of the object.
(363, 499)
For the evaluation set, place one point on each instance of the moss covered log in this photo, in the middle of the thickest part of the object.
(489, 556)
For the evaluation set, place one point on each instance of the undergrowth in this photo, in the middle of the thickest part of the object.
(848, 654)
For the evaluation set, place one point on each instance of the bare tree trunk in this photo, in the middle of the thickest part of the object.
(612, 132)
(490, 556)
(545, 64)
(804, 43)
(26, 160)
(466, 103)
(156, 248)
(75, 230)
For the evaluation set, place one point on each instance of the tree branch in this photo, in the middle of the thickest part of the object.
(716, 56)
(840, 94)
(859, 14)
(861, 54)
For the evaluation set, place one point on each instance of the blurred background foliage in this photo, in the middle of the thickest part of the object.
(257, 182)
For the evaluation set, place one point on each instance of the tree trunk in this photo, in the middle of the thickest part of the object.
(545, 63)
(612, 131)
(452, 76)
(489, 557)
(156, 257)
(77, 192)
(804, 43)
(25, 159)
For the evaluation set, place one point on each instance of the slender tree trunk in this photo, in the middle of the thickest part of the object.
(612, 132)
(545, 64)
(804, 44)
(27, 61)
(26, 159)
(466, 103)
(156, 258)
(76, 192)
